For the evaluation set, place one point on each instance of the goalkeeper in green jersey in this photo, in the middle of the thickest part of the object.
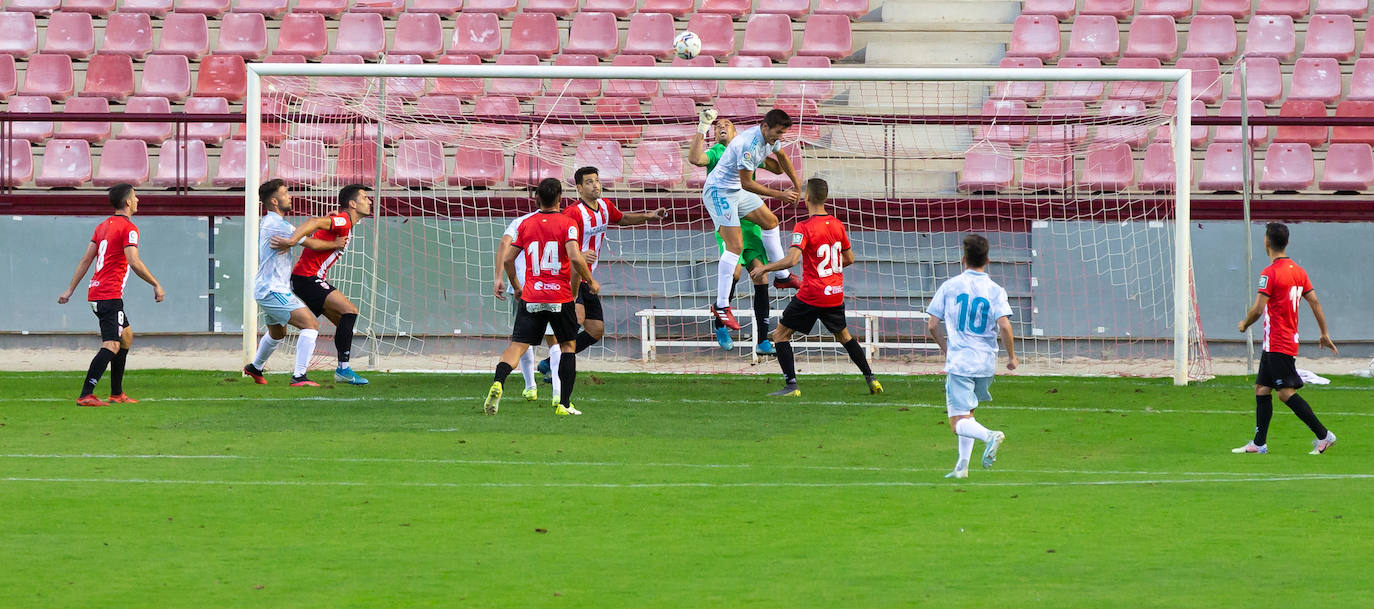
(753, 255)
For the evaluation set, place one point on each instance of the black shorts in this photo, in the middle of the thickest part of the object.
(801, 317)
(529, 326)
(591, 303)
(312, 291)
(112, 318)
(1278, 371)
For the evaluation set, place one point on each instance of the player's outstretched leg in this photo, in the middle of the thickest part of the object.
(344, 315)
(723, 337)
(965, 453)
(1300, 407)
(856, 354)
(99, 363)
(266, 347)
(305, 347)
(782, 340)
(493, 401)
(1264, 412)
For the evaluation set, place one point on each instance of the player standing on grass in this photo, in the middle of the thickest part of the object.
(732, 193)
(114, 250)
(548, 241)
(978, 312)
(1283, 285)
(515, 270)
(309, 277)
(753, 254)
(822, 245)
(272, 289)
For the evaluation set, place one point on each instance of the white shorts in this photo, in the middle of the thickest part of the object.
(962, 393)
(277, 307)
(728, 206)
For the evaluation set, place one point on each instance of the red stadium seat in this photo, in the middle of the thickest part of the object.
(1314, 136)
(305, 35)
(1221, 168)
(94, 7)
(449, 106)
(535, 163)
(37, 7)
(1154, 36)
(107, 76)
(744, 111)
(761, 89)
(650, 34)
(1059, 9)
(209, 8)
(716, 32)
(620, 8)
(1066, 132)
(770, 36)
(302, 162)
(1119, 9)
(166, 76)
(537, 34)
(1212, 36)
(408, 88)
(1178, 9)
(419, 163)
(1022, 90)
(579, 88)
(1287, 167)
(1197, 135)
(222, 76)
(1264, 81)
(152, 133)
(605, 155)
(733, 8)
(184, 34)
(478, 167)
(1316, 78)
(558, 8)
(676, 8)
(1157, 171)
(681, 108)
(69, 33)
(1034, 36)
(1137, 90)
(1082, 90)
(523, 88)
(293, 86)
(20, 159)
(361, 34)
(1108, 168)
(1331, 36)
(1095, 36)
(66, 164)
(273, 132)
(243, 34)
(697, 90)
(32, 131)
(438, 7)
(1271, 36)
(493, 106)
(357, 162)
(849, 8)
(1354, 8)
(1133, 134)
(346, 86)
(593, 34)
(1014, 135)
(233, 161)
(809, 89)
(210, 133)
(386, 8)
(51, 76)
(615, 106)
(476, 34)
(18, 34)
(268, 8)
(82, 130)
(557, 106)
(988, 168)
(9, 77)
(1362, 82)
(499, 7)
(802, 112)
(419, 34)
(148, 7)
(642, 89)
(1293, 9)
(1047, 167)
(827, 36)
(1236, 9)
(657, 165)
(1354, 135)
(1206, 81)
(465, 88)
(1349, 167)
(122, 161)
(328, 8)
(795, 9)
(129, 34)
(182, 164)
(1258, 135)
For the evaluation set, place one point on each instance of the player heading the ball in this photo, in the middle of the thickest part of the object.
(272, 289)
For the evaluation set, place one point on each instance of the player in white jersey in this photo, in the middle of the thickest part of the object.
(272, 290)
(516, 270)
(731, 193)
(977, 312)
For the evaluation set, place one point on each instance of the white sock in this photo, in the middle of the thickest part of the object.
(725, 278)
(965, 452)
(527, 368)
(772, 241)
(265, 348)
(344, 365)
(305, 349)
(555, 355)
(970, 428)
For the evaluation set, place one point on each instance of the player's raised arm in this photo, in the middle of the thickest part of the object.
(140, 269)
(307, 227)
(747, 182)
(81, 269)
(785, 163)
(794, 255)
(634, 218)
(696, 154)
(1325, 340)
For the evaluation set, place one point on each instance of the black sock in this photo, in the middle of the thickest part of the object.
(98, 363)
(117, 372)
(1264, 411)
(584, 340)
(343, 336)
(789, 368)
(761, 302)
(567, 375)
(856, 353)
(1301, 408)
(502, 371)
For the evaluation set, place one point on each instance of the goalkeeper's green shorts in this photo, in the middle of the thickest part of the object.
(753, 244)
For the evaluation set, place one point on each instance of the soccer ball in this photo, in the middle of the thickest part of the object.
(687, 45)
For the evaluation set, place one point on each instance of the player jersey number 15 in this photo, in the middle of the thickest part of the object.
(973, 316)
(546, 262)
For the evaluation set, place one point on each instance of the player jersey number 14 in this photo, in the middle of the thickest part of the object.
(548, 261)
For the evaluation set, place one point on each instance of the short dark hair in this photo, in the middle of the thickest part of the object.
(548, 191)
(268, 189)
(1277, 236)
(817, 191)
(777, 118)
(119, 195)
(976, 250)
(349, 194)
(584, 172)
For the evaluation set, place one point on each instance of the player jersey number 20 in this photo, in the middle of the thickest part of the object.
(830, 259)
(973, 315)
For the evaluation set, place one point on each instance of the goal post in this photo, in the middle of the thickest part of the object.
(387, 317)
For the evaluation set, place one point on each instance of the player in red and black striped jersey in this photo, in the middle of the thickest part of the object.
(114, 251)
(1283, 285)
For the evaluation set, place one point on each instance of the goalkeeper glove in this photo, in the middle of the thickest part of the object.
(705, 119)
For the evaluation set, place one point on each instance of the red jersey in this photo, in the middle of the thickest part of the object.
(1285, 283)
(316, 264)
(542, 240)
(821, 239)
(111, 267)
(591, 224)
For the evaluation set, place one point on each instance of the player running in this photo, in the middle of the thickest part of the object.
(978, 312)
(548, 241)
(506, 268)
(1283, 285)
(114, 250)
(732, 193)
(822, 245)
(753, 254)
(309, 277)
(272, 289)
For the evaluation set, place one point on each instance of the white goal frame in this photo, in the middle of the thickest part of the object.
(1182, 125)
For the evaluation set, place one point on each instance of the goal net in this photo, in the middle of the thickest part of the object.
(1070, 174)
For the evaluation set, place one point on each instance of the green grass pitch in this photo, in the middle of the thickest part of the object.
(674, 491)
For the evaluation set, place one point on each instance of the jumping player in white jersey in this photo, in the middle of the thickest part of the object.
(977, 312)
(272, 289)
(515, 271)
(731, 193)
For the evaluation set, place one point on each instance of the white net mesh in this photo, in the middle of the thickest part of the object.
(1065, 179)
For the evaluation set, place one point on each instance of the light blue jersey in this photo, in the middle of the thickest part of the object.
(746, 152)
(970, 304)
(274, 266)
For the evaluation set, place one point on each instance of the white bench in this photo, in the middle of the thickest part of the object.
(871, 340)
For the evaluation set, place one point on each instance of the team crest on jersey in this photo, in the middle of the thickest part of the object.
(133, 237)
(797, 238)
(572, 232)
(339, 221)
(748, 157)
(1264, 282)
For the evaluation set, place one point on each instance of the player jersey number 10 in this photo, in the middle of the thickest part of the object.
(548, 261)
(973, 316)
(830, 260)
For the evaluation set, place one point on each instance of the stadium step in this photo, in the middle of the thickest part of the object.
(937, 49)
(934, 12)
